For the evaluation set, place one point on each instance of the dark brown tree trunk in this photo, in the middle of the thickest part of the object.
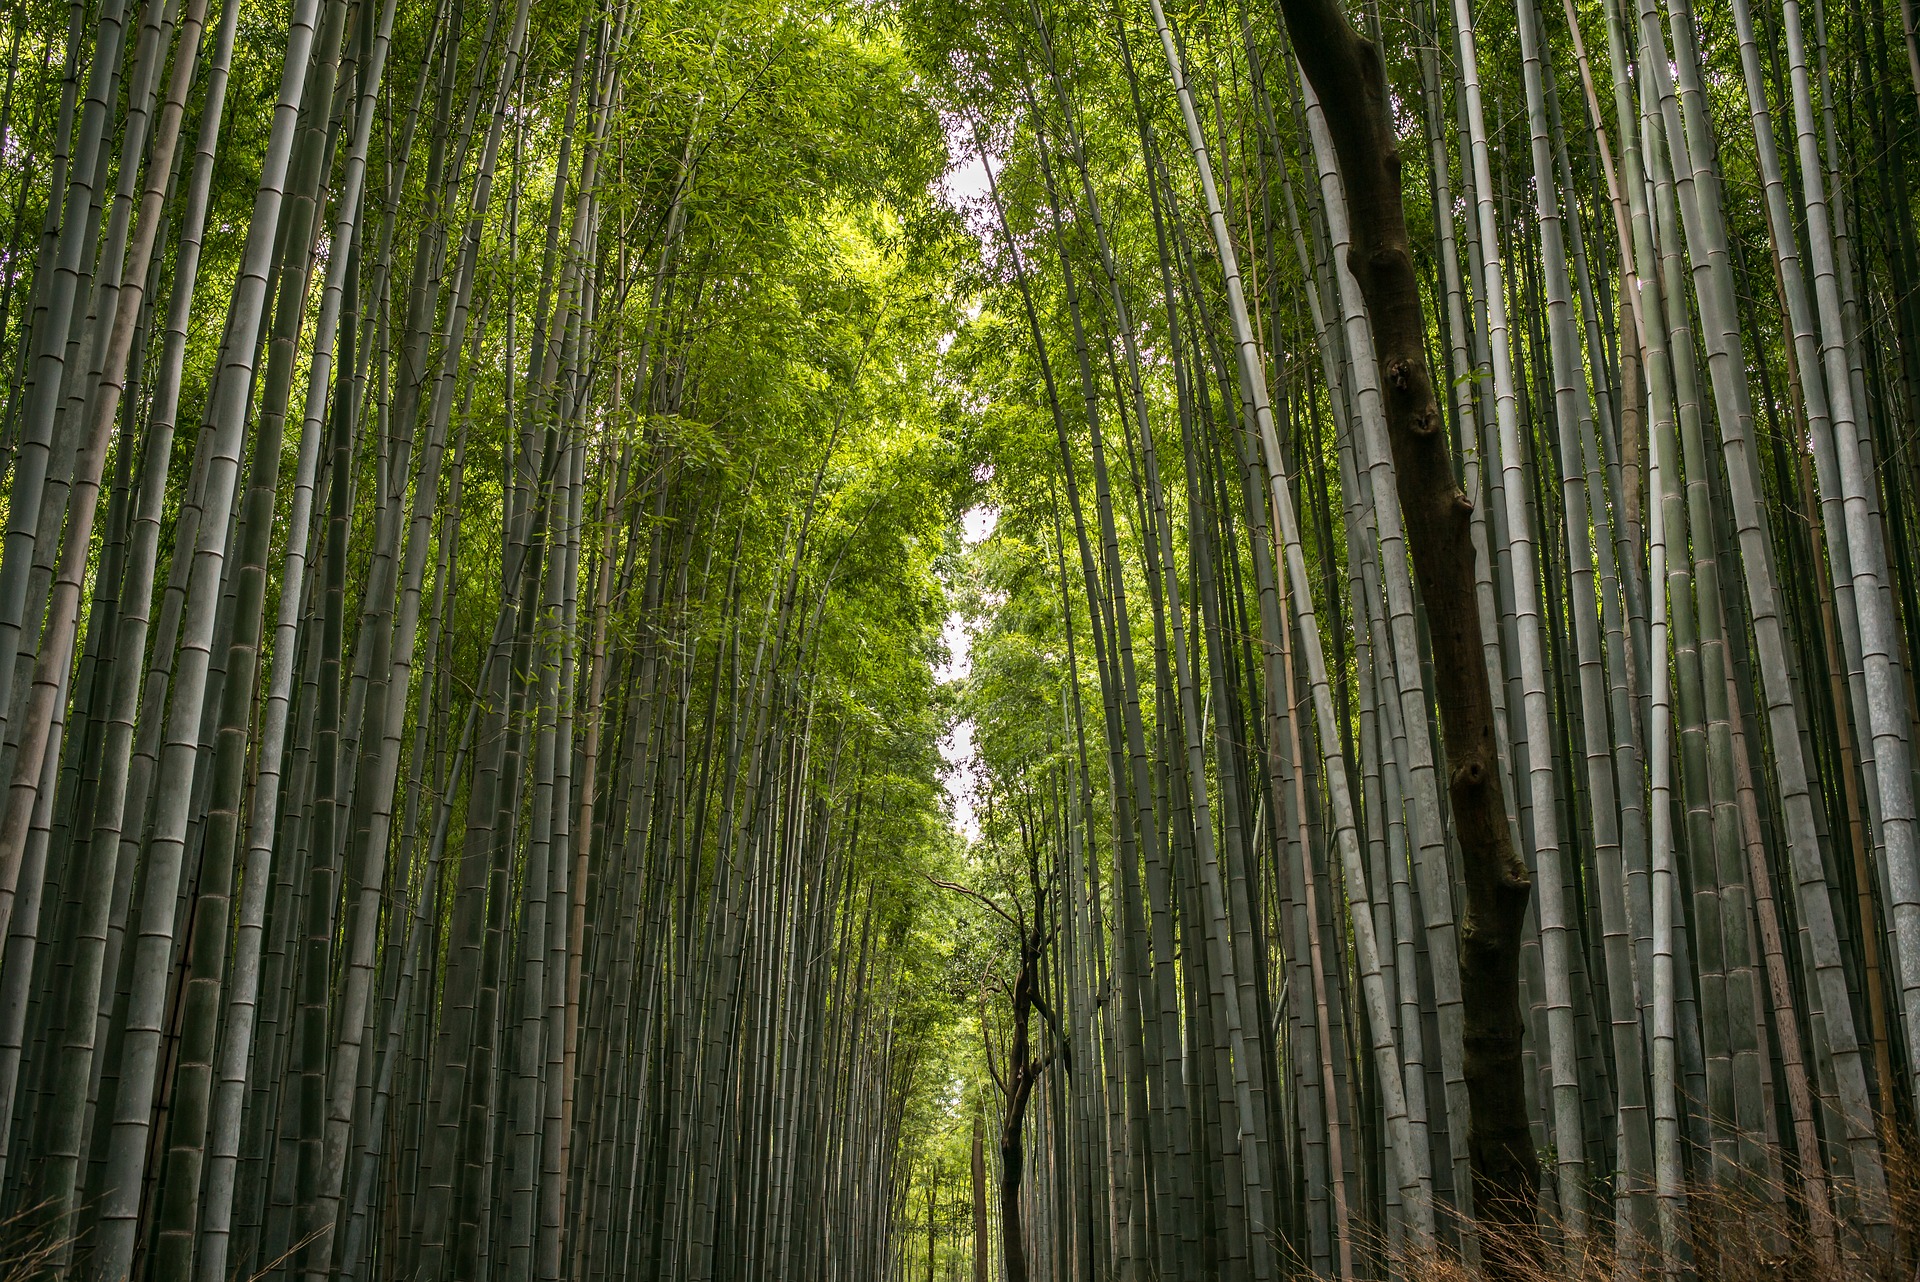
(1013, 1247)
(1347, 74)
(1022, 1072)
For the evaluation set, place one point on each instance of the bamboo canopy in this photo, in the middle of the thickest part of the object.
(919, 639)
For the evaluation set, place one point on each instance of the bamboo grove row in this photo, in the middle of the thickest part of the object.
(465, 639)
(1667, 259)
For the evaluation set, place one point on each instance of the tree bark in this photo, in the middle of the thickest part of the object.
(1347, 73)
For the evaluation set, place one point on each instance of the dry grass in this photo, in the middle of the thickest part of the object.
(30, 1248)
(1754, 1232)
(1751, 1233)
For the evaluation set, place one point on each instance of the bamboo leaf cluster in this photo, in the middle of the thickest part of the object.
(474, 492)
(1166, 639)
(1447, 673)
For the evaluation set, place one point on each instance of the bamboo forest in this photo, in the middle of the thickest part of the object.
(960, 640)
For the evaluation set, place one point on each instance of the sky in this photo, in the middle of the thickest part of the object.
(964, 188)
(957, 748)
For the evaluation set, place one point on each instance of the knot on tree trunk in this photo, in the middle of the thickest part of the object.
(1517, 881)
(1389, 263)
